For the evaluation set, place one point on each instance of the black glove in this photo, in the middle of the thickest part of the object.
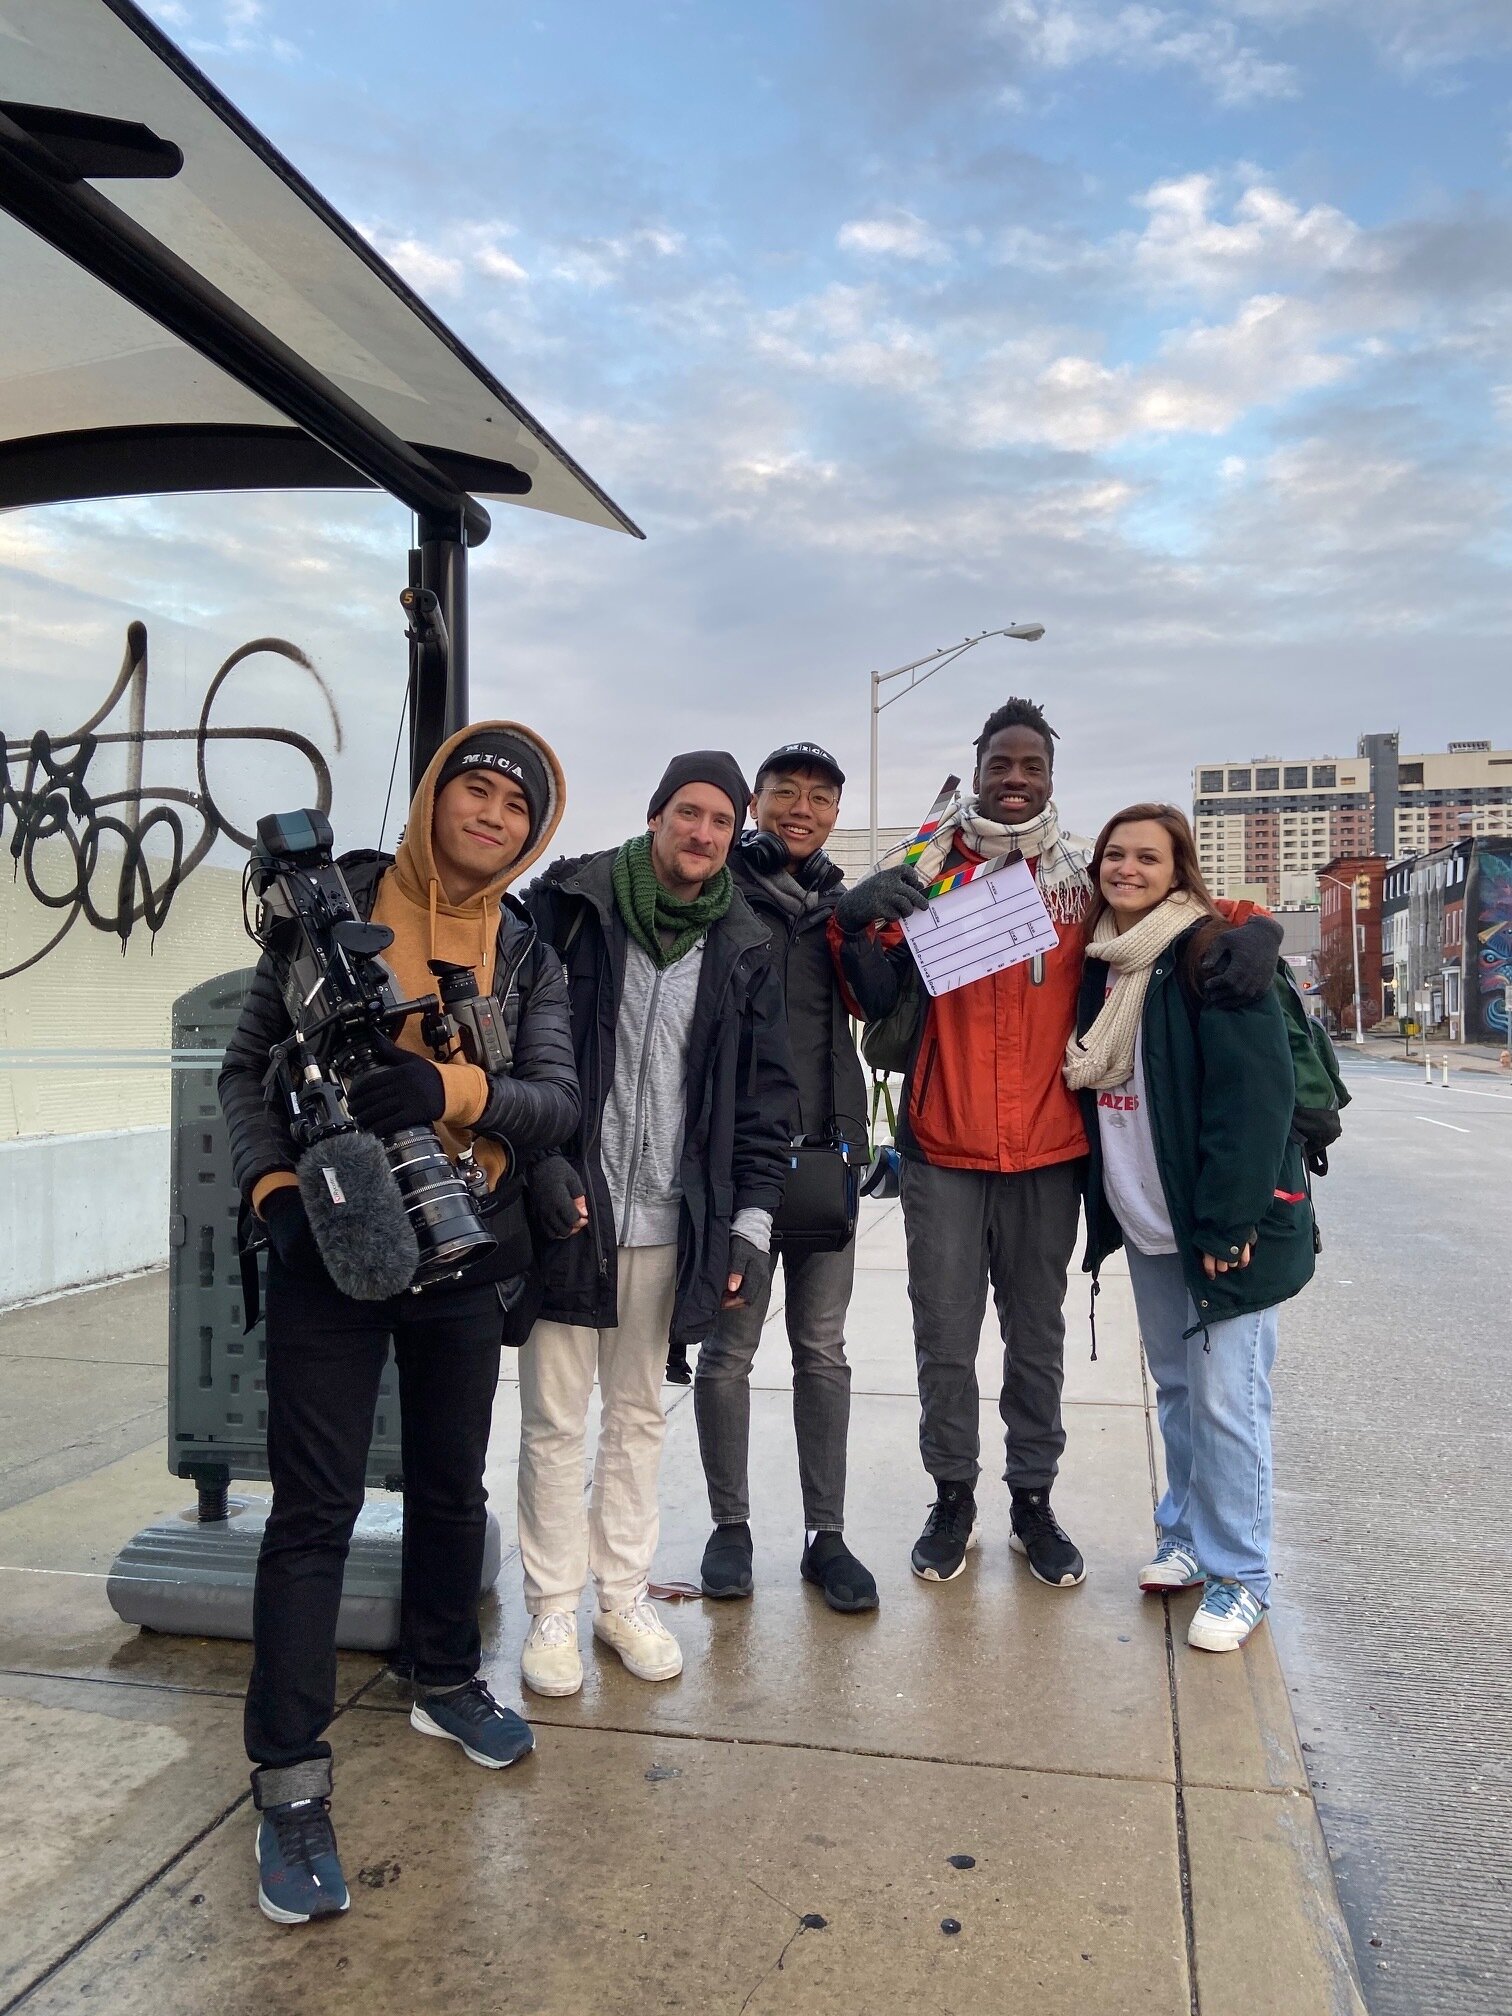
(555, 1188)
(289, 1234)
(754, 1269)
(884, 898)
(401, 1090)
(1239, 966)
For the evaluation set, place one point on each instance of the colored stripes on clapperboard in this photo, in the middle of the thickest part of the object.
(914, 852)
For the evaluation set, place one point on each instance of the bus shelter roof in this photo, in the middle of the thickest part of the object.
(183, 311)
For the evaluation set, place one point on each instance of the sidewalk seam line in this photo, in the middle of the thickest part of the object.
(1183, 1843)
(541, 1720)
(86, 1939)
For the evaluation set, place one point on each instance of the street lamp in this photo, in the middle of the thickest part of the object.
(1353, 886)
(1026, 633)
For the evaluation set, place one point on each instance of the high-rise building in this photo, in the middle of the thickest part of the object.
(1268, 825)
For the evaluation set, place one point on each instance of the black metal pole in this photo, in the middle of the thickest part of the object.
(45, 195)
(438, 677)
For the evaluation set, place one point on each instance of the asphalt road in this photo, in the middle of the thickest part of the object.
(1393, 1602)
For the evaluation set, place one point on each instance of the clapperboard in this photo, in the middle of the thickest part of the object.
(995, 920)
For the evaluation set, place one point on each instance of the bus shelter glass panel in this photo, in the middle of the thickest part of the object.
(168, 675)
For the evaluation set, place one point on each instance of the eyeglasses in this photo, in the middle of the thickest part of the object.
(823, 797)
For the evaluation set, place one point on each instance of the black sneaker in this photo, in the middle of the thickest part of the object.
(830, 1565)
(726, 1569)
(679, 1372)
(1037, 1535)
(949, 1533)
(299, 1873)
(491, 1735)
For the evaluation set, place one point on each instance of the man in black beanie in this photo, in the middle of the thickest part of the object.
(658, 1212)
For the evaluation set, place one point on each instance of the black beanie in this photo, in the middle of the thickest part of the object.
(512, 756)
(704, 766)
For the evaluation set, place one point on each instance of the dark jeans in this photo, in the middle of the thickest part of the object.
(817, 1292)
(965, 1226)
(325, 1358)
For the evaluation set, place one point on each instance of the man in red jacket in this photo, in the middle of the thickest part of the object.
(992, 1144)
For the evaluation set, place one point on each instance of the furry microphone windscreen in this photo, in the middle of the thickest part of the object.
(358, 1217)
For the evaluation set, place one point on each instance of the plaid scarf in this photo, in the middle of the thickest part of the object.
(649, 912)
(1059, 872)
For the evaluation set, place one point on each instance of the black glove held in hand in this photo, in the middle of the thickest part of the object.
(402, 1090)
(555, 1188)
(288, 1228)
(754, 1268)
(884, 898)
(1239, 966)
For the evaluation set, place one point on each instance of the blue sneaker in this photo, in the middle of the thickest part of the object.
(1175, 1567)
(298, 1869)
(490, 1735)
(1225, 1617)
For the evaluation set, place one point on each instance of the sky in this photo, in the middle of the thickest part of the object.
(1182, 330)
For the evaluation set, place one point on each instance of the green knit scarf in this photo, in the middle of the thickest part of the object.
(649, 911)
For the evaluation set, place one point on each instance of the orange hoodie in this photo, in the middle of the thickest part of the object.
(413, 902)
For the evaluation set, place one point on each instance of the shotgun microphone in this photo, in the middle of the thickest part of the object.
(357, 1215)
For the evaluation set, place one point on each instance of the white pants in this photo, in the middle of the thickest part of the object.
(614, 1536)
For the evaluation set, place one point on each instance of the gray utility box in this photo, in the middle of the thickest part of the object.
(192, 1572)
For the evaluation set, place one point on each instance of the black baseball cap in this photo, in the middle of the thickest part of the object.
(801, 756)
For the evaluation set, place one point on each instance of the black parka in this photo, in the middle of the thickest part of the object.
(831, 1082)
(741, 1096)
(534, 1107)
(1221, 1096)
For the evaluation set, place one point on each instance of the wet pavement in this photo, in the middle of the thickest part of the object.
(1393, 1459)
(783, 1828)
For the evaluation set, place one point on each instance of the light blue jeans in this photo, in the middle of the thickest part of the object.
(1215, 1421)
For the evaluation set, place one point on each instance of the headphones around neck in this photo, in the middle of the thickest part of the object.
(768, 856)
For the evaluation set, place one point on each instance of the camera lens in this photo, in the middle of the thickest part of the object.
(439, 1205)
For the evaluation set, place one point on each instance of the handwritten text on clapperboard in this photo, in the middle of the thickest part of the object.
(992, 922)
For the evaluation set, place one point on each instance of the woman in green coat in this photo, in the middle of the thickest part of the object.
(1195, 1172)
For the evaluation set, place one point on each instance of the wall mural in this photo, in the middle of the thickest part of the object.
(45, 796)
(1493, 935)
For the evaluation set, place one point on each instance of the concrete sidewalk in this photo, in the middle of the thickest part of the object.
(773, 1832)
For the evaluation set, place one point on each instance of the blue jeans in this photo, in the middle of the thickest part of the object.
(1215, 1422)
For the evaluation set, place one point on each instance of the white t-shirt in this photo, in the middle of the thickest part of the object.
(1131, 1178)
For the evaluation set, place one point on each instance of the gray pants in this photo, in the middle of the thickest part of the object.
(964, 1225)
(817, 1295)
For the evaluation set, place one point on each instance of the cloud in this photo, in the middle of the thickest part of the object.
(226, 28)
(1414, 36)
(1201, 380)
(443, 262)
(847, 334)
(1267, 238)
(900, 236)
(1061, 35)
(603, 262)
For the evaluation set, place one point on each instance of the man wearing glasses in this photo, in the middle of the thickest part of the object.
(793, 886)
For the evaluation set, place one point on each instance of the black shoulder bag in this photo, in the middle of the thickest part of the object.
(822, 1197)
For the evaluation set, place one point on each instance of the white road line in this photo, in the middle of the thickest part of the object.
(1440, 1123)
(1465, 1091)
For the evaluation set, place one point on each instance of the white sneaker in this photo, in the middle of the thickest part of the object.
(645, 1646)
(1225, 1617)
(550, 1662)
(1175, 1567)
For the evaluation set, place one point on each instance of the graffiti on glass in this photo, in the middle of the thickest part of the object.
(114, 882)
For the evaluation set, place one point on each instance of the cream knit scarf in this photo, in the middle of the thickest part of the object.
(1105, 1055)
(1060, 872)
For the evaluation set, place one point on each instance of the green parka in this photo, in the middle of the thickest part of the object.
(1221, 1095)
